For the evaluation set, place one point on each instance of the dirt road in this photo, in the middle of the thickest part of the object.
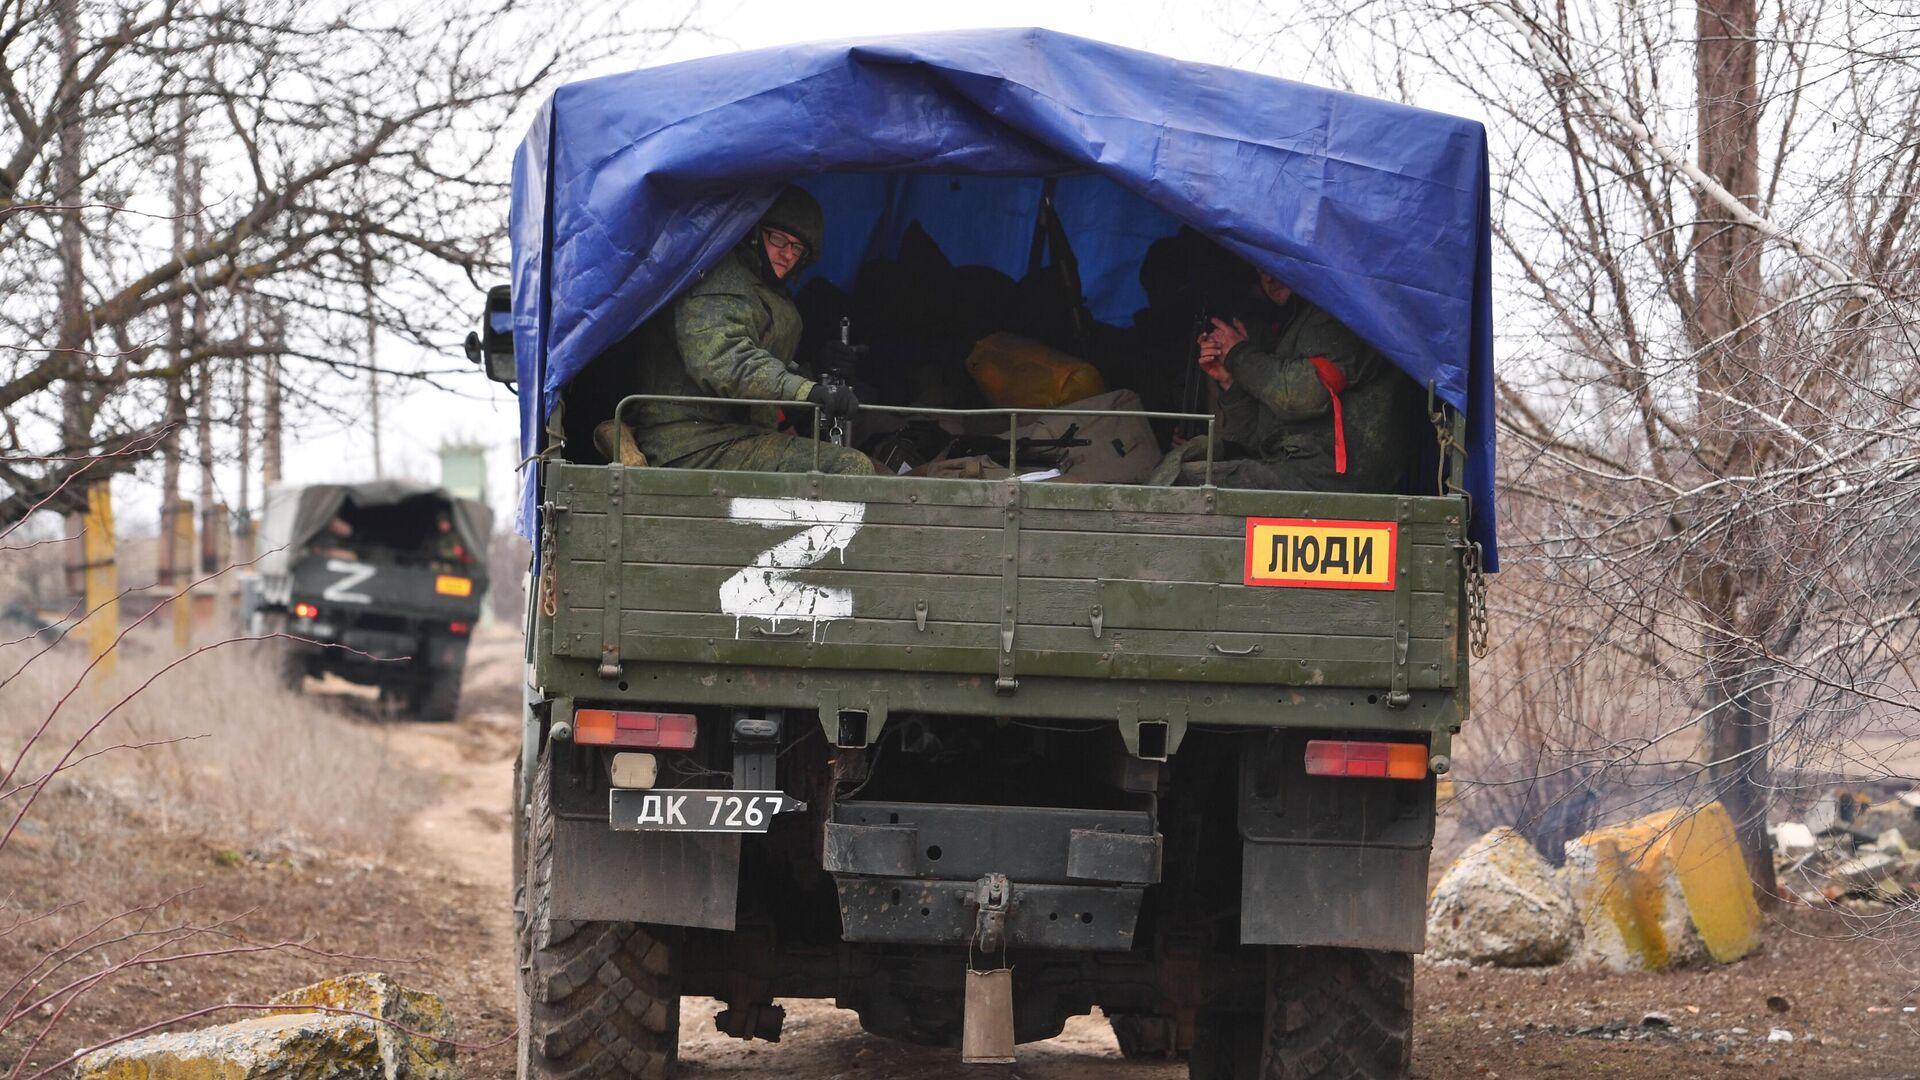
(1847, 995)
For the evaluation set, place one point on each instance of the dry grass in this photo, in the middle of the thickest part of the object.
(203, 809)
(214, 748)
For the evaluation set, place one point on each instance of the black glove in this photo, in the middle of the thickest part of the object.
(836, 400)
(836, 359)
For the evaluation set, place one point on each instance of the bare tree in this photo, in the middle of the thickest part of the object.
(1711, 359)
(342, 143)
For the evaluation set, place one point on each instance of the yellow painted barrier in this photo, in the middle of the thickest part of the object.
(1667, 889)
(1705, 855)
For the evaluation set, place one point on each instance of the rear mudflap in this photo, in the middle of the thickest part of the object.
(1331, 860)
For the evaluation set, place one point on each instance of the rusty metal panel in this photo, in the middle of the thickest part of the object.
(916, 911)
(1030, 844)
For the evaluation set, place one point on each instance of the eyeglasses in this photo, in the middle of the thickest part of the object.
(780, 241)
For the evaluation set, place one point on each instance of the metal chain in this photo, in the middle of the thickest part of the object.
(549, 596)
(1477, 631)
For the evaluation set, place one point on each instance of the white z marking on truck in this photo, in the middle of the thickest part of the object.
(351, 574)
(766, 588)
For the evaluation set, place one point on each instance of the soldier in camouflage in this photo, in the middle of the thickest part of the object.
(1310, 405)
(733, 334)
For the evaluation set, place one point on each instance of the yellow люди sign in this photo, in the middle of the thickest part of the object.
(1308, 553)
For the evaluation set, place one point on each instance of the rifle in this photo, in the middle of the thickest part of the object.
(841, 434)
(1050, 236)
(1028, 451)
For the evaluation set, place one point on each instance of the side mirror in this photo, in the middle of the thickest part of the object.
(492, 347)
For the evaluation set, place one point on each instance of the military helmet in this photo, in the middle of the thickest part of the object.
(798, 213)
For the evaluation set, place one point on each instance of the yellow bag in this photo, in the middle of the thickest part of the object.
(1018, 373)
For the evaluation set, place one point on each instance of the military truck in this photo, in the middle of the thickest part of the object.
(973, 756)
(379, 582)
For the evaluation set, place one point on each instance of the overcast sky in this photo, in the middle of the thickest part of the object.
(420, 422)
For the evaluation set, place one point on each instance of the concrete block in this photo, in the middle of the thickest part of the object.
(1666, 890)
(396, 1040)
(1500, 903)
(1792, 838)
(1894, 815)
(1893, 842)
(1864, 871)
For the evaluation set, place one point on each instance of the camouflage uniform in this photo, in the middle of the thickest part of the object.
(731, 334)
(1280, 414)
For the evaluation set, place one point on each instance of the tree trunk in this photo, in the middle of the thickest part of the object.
(243, 531)
(273, 326)
(270, 427)
(171, 558)
(76, 407)
(212, 527)
(373, 366)
(1727, 288)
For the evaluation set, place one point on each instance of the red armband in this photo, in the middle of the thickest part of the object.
(1335, 382)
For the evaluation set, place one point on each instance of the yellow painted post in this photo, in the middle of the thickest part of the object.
(245, 539)
(216, 548)
(102, 577)
(183, 573)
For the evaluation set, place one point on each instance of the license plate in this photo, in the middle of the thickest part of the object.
(633, 810)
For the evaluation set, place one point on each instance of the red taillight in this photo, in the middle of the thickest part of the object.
(305, 611)
(458, 627)
(1385, 760)
(645, 730)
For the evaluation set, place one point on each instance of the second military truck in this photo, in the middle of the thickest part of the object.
(380, 583)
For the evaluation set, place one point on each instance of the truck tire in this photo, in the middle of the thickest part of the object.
(436, 698)
(1330, 1013)
(595, 999)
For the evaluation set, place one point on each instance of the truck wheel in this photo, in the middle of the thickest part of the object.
(1330, 1013)
(436, 698)
(595, 999)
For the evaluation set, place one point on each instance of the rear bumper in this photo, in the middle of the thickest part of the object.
(911, 873)
(370, 654)
(386, 645)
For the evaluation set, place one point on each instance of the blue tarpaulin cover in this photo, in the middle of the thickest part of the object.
(627, 187)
